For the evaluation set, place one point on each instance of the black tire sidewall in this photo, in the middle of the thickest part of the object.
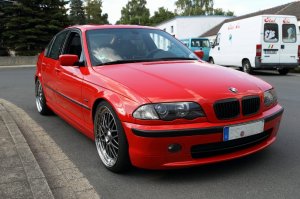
(247, 67)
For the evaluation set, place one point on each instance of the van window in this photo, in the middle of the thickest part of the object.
(271, 32)
(217, 40)
(289, 33)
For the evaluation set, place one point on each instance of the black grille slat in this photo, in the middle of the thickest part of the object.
(227, 109)
(250, 105)
(219, 148)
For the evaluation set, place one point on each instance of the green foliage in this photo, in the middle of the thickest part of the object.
(135, 12)
(194, 7)
(220, 11)
(161, 15)
(77, 15)
(30, 25)
(94, 12)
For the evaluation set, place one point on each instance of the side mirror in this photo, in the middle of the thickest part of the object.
(68, 60)
(213, 45)
(199, 53)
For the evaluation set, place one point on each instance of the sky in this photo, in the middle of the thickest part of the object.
(113, 7)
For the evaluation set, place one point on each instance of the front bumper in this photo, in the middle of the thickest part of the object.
(148, 145)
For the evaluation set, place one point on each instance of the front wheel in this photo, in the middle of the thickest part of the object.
(283, 71)
(110, 139)
(40, 99)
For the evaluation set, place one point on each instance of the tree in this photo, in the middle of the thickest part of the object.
(220, 11)
(30, 25)
(94, 12)
(77, 15)
(135, 12)
(161, 15)
(194, 7)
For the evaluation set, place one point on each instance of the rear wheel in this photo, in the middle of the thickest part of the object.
(283, 71)
(110, 139)
(247, 67)
(40, 99)
(211, 60)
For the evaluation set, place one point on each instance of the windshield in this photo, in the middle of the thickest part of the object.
(120, 45)
(200, 43)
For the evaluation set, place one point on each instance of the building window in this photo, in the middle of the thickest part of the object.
(172, 29)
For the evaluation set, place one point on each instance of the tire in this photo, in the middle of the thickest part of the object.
(283, 71)
(247, 67)
(40, 99)
(211, 60)
(110, 139)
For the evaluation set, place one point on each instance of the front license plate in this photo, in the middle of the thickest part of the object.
(242, 130)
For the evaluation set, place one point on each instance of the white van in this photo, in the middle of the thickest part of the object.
(260, 42)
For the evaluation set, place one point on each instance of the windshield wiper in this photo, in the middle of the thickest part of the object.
(145, 60)
(124, 61)
(173, 58)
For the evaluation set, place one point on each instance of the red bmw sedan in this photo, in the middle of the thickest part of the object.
(148, 101)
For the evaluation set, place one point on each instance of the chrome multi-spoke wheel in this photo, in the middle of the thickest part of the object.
(107, 141)
(40, 100)
(110, 138)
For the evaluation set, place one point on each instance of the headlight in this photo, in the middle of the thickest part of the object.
(270, 97)
(169, 111)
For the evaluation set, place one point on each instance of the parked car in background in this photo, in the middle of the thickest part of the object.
(148, 101)
(196, 44)
(260, 42)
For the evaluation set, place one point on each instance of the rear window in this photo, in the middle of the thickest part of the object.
(289, 33)
(199, 43)
(271, 32)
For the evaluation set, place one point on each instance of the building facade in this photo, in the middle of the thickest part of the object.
(183, 27)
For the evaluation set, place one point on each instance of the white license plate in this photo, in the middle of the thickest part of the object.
(242, 130)
(271, 52)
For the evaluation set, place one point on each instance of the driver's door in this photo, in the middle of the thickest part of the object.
(69, 80)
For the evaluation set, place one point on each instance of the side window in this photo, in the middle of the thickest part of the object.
(289, 33)
(217, 40)
(47, 49)
(271, 32)
(73, 45)
(57, 45)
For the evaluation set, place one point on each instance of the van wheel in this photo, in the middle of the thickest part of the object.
(211, 60)
(283, 71)
(247, 67)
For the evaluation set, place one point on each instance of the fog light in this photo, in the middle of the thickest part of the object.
(173, 148)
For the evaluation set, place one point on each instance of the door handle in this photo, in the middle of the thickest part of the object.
(43, 64)
(57, 69)
(282, 46)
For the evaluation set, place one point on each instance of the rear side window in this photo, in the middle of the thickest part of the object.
(271, 32)
(200, 43)
(289, 33)
(57, 45)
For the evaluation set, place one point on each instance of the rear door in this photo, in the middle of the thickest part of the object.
(271, 40)
(49, 64)
(289, 45)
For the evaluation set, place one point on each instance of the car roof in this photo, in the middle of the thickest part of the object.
(95, 27)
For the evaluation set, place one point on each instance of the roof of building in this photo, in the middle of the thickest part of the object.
(194, 16)
(292, 8)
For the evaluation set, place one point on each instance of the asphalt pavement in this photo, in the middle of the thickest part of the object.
(272, 173)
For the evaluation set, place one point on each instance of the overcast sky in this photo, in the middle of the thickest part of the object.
(113, 7)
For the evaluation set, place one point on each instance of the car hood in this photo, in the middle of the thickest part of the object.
(182, 80)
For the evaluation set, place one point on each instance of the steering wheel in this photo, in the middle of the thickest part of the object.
(153, 52)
